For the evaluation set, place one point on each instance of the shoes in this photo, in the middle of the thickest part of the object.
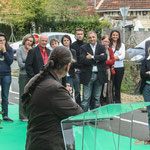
(144, 110)
(7, 119)
(24, 120)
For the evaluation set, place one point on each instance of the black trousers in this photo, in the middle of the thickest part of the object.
(23, 80)
(117, 80)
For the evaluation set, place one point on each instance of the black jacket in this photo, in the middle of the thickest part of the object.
(34, 61)
(76, 46)
(87, 64)
(145, 67)
(74, 64)
(145, 77)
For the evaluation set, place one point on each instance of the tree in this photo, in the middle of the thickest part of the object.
(26, 12)
(65, 9)
(34, 12)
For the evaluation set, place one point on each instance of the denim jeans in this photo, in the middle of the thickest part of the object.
(91, 93)
(5, 82)
(74, 83)
(146, 95)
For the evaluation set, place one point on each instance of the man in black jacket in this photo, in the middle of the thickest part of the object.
(145, 76)
(76, 46)
(37, 57)
(93, 71)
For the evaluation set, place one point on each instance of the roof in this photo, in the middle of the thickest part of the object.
(3, 5)
(104, 5)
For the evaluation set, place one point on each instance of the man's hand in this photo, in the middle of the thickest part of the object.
(73, 60)
(102, 54)
(89, 56)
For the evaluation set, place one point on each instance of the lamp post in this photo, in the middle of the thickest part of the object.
(124, 12)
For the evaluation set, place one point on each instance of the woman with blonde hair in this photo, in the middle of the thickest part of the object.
(28, 42)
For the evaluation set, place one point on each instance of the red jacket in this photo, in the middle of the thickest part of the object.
(110, 62)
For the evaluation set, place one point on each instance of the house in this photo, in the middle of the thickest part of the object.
(138, 13)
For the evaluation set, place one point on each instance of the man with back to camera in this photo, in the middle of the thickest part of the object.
(37, 57)
(76, 46)
(93, 71)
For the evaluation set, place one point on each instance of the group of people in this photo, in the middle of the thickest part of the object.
(50, 81)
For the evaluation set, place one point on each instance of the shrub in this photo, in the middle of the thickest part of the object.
(131, 77)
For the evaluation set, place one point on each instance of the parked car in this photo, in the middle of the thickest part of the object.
(137, 53)
(51, 35)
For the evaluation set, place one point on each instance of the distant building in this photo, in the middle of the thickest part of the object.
(138, 15)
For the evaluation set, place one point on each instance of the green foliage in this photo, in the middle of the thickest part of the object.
(23, 13)
(70, 26)
(131, 77)
(65, 9)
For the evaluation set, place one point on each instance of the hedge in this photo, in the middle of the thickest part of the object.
(68, 26)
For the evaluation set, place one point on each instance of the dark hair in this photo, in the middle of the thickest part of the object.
(118, 41)
(68, 37)
(59, 57)
(26, 37)
(90, 32)
(6, 44)
(80, 29)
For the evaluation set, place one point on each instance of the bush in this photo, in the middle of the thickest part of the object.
(131, 77)
(68, 26)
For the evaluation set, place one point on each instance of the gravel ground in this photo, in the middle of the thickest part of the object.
(128, 98)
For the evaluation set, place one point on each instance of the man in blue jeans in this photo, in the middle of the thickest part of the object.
(6, 59)
(93, 71)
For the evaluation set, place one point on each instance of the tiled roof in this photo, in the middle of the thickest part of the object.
(116, 4)
(5, 3)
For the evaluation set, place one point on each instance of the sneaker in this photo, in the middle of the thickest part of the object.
(24, 120)
(7, 119)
